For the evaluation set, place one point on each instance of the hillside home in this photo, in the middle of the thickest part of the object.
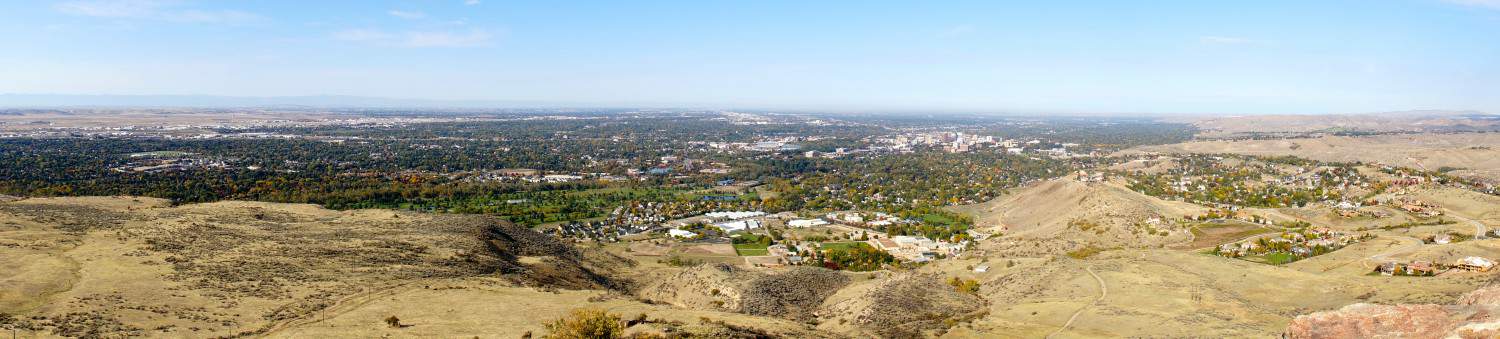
(1476, 264)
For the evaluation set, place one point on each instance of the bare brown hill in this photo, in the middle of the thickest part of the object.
(134, 266)
(1408, 121)
(1103, 214)
(1472, 154)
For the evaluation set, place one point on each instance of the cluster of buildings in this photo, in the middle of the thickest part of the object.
(952, 142)
(534, 176)
(805, 223)
(917, 249)
(1414, 268)
(1095, 176)
(622, 221)
(1299, 245)
(730, 221)
(876, 219)
(1420, 208)
(1249, 184)
(1338, 177)
(784, 254)
(1428, 268)
(669, 165)
(735, 221)
(1349, 209)
(768, 145)
(170, 165)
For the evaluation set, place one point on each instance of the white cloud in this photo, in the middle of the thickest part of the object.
(956, 31)
(1492, 4)
(163, 10)
(471, 2)
(362, 35)
(111, 9)
(407, 15)
(224, 16)
(1227, 40)
(447, 39)
(416, 39)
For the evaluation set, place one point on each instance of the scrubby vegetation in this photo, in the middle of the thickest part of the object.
(1084, 252)
(969, 286)
(586, 323)
(858, 257)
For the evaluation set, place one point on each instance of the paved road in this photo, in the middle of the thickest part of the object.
(1479, 228)
(1103, 292)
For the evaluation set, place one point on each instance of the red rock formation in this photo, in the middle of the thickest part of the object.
(1373, 321)
(1474, 316)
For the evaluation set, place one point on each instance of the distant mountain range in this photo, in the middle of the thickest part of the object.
(1384, 122)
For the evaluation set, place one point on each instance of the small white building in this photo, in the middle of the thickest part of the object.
(734, 215)
(802, 223)
(676, 233)
(738, 225)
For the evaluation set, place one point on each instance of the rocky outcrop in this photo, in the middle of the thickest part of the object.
(1375, 321)
(533, 258)
(792, 293)
(1474, 316)
(1488, 296)
(903, 306)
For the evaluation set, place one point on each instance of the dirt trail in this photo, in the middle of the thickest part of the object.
(338, 307)
(1103, 292)
(1414, 244)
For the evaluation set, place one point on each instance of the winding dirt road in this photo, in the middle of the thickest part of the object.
(1103, 292)
(1479, 228)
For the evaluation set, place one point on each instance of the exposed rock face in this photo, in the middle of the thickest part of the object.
(792, 293)
(1488, 296)
(1375, 321)
(1474, 316)
(532, 257)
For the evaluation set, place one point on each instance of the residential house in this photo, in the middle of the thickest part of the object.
(1388, 268)
(1420, 268)
(1476, 264)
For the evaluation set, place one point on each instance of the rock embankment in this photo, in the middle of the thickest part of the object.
(902, 306)
(793, 293)
(1473, 316)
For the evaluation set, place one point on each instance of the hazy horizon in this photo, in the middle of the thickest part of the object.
(105, 101)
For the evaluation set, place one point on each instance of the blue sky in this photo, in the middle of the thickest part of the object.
(1268, 56)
